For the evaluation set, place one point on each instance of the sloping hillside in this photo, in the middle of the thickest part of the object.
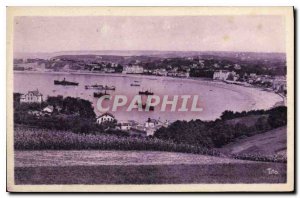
(269, 143)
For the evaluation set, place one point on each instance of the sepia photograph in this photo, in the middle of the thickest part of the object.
(150, 99)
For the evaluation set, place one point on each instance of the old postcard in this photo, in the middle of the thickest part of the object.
(150, 99)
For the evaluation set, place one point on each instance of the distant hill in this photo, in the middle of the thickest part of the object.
(268, 143)
(246, 56)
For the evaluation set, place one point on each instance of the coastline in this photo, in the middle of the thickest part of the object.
(252, 93)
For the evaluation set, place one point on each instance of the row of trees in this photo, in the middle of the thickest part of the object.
(217, 133)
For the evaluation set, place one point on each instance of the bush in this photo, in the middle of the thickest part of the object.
(261, 158)
(278, 117)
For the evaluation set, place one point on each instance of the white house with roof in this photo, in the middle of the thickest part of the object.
(105, 117)
(31, 97)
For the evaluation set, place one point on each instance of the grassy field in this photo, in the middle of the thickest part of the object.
(139, 167)
(151, 174)
(114, 157)
(26, 138)
(61, 157)
(269, 143)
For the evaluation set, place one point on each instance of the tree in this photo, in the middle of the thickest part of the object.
(278, 117)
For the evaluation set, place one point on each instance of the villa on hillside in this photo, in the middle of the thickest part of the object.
(32, 97)
(106, 117)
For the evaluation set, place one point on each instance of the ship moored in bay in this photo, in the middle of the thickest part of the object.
(64, 82)
(147, 93)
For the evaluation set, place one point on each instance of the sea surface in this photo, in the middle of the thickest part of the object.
(214, 97)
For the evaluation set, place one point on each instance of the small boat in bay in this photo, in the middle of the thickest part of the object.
(100, 94)
(100, 87)
(64, 82)
(135, 85)
(96, 86)
(147, 93)
(111, 88)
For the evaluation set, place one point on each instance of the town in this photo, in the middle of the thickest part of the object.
(244, 69)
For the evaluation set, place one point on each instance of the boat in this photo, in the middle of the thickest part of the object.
(112, 88)
(147, 93)
(100, 94)
(65, 83)
(100, 87)
(94, 86)
(135, 85)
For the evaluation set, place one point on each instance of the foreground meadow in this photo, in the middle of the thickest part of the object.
(153, 174)
(61, 157)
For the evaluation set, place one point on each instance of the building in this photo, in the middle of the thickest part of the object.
(35, 113)
(151, 122)
(135, 69)
(224, 75)
(151, 125)
(216, 65)
(279, 84)
(183, 74)
(114, 64)
(32, 97)
(48, 110)
(109, 70)
(162, 72)
(123, 125)
(106, 117)
(237, 67)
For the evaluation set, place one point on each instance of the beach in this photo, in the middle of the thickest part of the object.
(215, 96)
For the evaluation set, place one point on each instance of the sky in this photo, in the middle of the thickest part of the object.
(165, 33)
